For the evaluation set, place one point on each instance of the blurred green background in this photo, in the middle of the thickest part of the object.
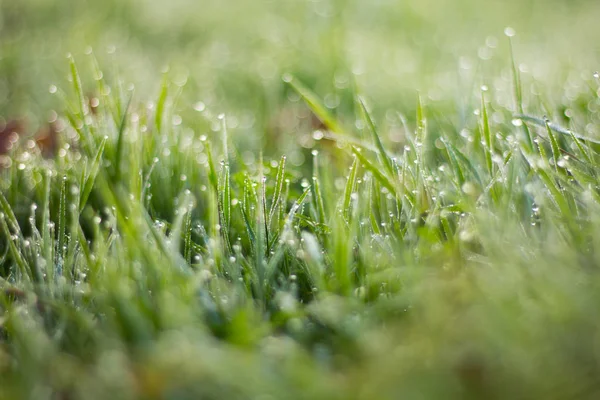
(231, 55)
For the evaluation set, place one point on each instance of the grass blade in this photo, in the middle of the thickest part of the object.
(383, 157)
(91, 178)
(121, 140)
(315, 105)
(278, 188)
(381, 178)
(349, 190)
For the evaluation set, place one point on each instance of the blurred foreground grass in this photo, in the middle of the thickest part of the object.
(412, 211)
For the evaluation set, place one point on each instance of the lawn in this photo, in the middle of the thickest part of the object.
(294, 199)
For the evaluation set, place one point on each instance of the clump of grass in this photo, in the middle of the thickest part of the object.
(154, 262)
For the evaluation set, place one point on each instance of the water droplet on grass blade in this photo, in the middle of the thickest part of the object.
(510, 32)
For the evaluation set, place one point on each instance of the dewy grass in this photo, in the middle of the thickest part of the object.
(155, 256)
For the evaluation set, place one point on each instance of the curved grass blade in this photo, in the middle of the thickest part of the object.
(383, 157)
(91, 178)
(315, 105)
(381, 178)
(556, 128)
(487, 135)
(278, 188)
(160, 104)
(553, 145)
(14, 251)
(86, 136)
(350, 186)
(10, 215)
(518, 93)
(121, 140)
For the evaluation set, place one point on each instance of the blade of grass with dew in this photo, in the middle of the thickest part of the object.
(383, 180)
(318, 202)
(279, 247)
(244, 208)
(186, 205)
(107, 103)
(421, 136)
(517, 90)
(261, 238)
(373, 187)
(85, 248)
(556, 128)
(10, 216)
(343, 140)
(86, 136)
(212, 171)
(160, 104)
(283, 202)
(72, 250)
(121, 140)
(24, 269)
(383, 157)
(91, 178)
(187, 238)
(554, 146)
(62, 227)
(263, 201)
(225, 138)
(278, 188)
(558, 197)
(487, 135)
(225, 204)
(349, 190)
(463, 163)
(48, 242)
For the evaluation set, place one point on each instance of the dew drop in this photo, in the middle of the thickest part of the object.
(510, 32)
(199, 106)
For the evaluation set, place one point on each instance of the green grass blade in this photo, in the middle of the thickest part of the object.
(383, 157)
(62, 228)
(487, 135)
(160, 105)
(381, 178)
(83, 107)
(278, 188)
(349, 190)
(121, 141)
(91, 178)
(553, 145)
(315, 105)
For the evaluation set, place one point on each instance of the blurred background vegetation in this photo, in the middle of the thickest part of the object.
(231, 55)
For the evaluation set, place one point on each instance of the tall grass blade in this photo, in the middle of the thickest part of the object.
(383, 157)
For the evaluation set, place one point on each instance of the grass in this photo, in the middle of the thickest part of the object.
(332, 238)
